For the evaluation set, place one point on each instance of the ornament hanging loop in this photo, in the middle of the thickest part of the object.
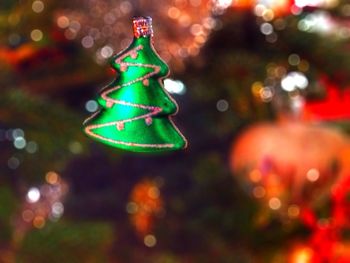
(142, 26)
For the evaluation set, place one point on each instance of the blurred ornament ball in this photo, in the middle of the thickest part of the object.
(287, 164)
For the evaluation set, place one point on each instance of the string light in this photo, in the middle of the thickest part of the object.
(279, 24)
(266, 28)
(57, 210)
(125, 7)
(275, 203)
(20, 143)
(52, 177)
(91, 106)
(315, 3)
(313, 175)
(131, 208)
(272, 38)
(106, 22)
(31, 147)
(222, 105)
(14, 19)
(294, 80)
(75, 147)
(174, 86)
(294, 59)
(293, 211)
(106, 52)
(45, 202)
(27, 215)
(255, 175)
(259, 192)
(33, 195)
(38, 6)
(154, 192)
(62, 22)
(39, 222)
(266, 93)
(36, 35)
(268, 15)
(13, 163)
(221, 5)
(259, 10)
(87, 42)
(174, 12)
(150, 240)
(320, 22)
(17, 133)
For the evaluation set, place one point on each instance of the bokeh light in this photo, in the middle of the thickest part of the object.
(150, 240)
(91, 106)
(52, 177)
(174, 86)
(293, 211)
(275, 203)
(222, 105)
(31, 147)
(38, 6)
(313, 175)
(33, 195)
(63, 22)
(36, 35)
(39, 222)
(87, 42)
(19, 143)
(13, 163)
(293, 81)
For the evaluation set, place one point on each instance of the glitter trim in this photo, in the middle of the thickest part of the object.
(142, 26)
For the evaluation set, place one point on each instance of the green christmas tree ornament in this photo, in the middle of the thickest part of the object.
(135, 109)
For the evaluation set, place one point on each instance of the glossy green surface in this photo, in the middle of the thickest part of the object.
(158, 133)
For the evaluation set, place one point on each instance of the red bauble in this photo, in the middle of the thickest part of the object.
(288, 162)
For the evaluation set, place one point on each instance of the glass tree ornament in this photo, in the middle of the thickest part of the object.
(135, 110)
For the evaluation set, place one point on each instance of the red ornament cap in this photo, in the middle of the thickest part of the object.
(142, 26)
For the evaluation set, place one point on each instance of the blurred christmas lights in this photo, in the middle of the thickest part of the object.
(222, 105)
(13, 162)
(36, 35)
(38, 6)
(33, 195)
(174, 86)
(19, 143)
(144, 205)
(183, 28)
(44, 202)
(91, 106)
(294, 80)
